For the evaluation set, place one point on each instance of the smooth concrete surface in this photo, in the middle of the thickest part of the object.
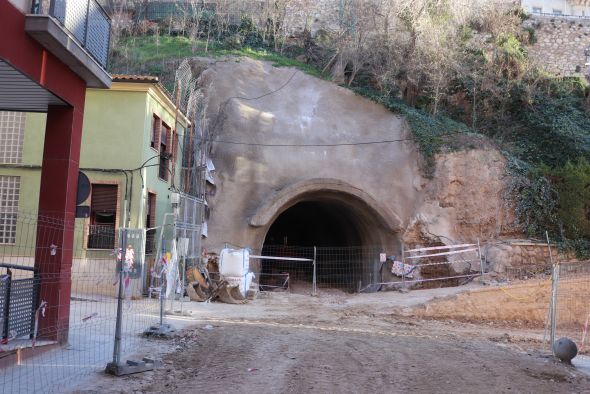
(254, 106)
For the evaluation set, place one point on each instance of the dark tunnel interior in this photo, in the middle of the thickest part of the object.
(321, 224)
(334, 228)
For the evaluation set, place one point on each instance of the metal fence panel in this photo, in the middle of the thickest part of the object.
(22, 292)
(94, 280)
(572, 304)
(98, 33)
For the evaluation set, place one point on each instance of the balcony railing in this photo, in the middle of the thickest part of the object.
(558, 15)
(85, 20)
(101, 236)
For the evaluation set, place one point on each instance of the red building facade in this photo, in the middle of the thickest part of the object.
(47, 59)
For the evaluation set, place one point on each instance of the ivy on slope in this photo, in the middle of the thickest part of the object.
(555, 127)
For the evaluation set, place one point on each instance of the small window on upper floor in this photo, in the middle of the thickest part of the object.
(165, 151)
(156, 125)
(103, 217)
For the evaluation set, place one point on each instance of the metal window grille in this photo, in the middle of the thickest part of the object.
(12, 126)
(9, 197)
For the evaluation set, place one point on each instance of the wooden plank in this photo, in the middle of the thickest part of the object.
(440, 247)
(441, 254)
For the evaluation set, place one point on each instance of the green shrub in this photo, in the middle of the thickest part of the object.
(532, 197)
(572, 181)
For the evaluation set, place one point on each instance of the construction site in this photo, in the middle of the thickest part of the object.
(292, 196)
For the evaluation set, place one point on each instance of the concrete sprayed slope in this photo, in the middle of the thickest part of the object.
(253, 102)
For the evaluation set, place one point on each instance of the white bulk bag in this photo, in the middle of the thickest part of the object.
(242, 282)
(234, 262)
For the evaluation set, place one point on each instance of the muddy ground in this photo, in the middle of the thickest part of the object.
(336, 343)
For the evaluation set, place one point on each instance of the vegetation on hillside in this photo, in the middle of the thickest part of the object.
(450, 67)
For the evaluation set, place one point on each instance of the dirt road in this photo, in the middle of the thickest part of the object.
(289, 344)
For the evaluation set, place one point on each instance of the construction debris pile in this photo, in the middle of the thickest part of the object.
(225, 278)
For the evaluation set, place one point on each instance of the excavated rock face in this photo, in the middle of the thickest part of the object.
(464, 200)
(368, 194)
(463, 203)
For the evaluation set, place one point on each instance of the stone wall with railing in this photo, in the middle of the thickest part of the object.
(560, 44)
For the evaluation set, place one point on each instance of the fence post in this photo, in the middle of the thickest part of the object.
(554, 286)
(403, 264)
(117, 347)
(162, 329)
(6, 311)
(116, 367)
(481, 260)
(36, 301)
(553, 304)
(314, 280)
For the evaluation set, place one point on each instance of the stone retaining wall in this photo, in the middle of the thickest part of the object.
(517, 254)
(560, 44)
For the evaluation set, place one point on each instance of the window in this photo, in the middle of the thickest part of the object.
(9, 195)
(165, 151)
(557, 12)
(156, 125)
(103, 216)
(537, 10)
(12, 130)
(150, 222)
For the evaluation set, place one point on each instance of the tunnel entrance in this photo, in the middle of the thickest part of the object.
(339, 233)
(312, 223)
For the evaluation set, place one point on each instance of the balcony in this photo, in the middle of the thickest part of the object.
(101, 236)
(77, 32)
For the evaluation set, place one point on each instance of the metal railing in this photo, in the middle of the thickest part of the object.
(85, 20)
(101, 236)
(556, 15)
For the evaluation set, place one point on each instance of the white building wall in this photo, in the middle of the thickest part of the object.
(565, 7)
(23, 5)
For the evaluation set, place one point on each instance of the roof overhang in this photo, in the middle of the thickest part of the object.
(20, 93)
(57, 40)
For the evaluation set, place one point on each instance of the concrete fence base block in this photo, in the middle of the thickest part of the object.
(132, 366)
(160, 330)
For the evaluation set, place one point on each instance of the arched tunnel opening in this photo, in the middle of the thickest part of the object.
(342, 233)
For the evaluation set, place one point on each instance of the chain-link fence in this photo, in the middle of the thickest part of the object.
(60, 306)
(358, 269)
(570, 304)
(350, 269)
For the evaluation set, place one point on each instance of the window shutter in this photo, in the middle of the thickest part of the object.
(174, 146)
(152, 209)
(155, 132)
(104, 198)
